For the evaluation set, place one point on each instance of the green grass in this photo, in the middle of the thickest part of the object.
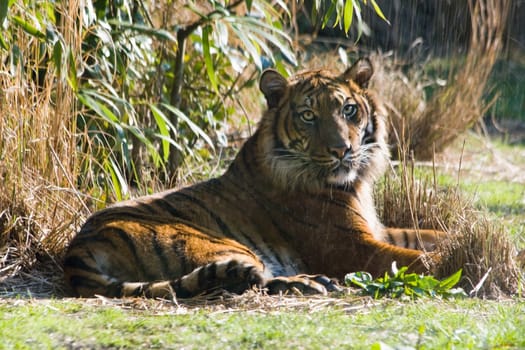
(428, 324)
(503, 198)
(499, 197)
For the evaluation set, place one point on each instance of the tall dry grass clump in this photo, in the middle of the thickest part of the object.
(39, 203)
(479, 245)
(456, 107)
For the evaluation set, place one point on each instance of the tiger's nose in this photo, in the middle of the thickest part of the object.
(340, 151)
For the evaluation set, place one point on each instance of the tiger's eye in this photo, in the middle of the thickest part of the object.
(307, 116)
(349, 110)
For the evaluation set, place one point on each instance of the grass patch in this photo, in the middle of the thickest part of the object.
(428, 324)
(502, 198)
(499, 197)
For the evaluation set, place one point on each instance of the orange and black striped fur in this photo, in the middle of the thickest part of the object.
(294, 206)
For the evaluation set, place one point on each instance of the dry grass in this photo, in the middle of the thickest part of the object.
(250, 301)
(40, 206)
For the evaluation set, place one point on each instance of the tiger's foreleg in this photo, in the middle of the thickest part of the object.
(302, 284)
(230, 275)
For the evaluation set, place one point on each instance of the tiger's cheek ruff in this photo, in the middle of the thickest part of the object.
(289, 154)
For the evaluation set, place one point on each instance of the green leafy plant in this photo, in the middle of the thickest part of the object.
(341, 13)
(403, 284)
(154, 84)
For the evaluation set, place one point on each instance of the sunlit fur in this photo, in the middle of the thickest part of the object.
(296, 200)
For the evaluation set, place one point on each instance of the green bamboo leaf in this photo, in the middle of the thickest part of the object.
(4, 6)
(144, 29)
(3, 43)
(339, 8)
(281, 68)
(99, 108)
(115, 187)
(378, 11)
(314, 14)
(72, 72)
(120, 187)
(268, 26)
(169, 140)
(107, 101)
(28, 27)
(58, 51)
(271, 11)
(152, 150)
(251, 26)
(194, 127)
(282, 4)
(259, 34)
(328, 14)
(161, 119)
(249, 5)
(207, 58)
(250, 47)
(49, 8)
(357, 12)
(317, 5)
(164, 117)
(348, 15)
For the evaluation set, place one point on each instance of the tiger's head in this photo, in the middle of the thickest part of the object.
(323, 129)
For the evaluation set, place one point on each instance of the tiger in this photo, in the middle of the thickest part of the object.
(293, 212)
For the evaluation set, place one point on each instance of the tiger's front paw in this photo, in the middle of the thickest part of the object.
(302, 284)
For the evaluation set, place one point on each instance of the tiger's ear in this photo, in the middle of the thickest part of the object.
(360, 72)
(273, 85)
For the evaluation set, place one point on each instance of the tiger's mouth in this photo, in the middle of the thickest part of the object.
(341, 174)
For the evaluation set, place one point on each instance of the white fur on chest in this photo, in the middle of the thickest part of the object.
(368, 211)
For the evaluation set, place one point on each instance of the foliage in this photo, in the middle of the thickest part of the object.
(155, 84)
(403, 284)
(344, 14)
